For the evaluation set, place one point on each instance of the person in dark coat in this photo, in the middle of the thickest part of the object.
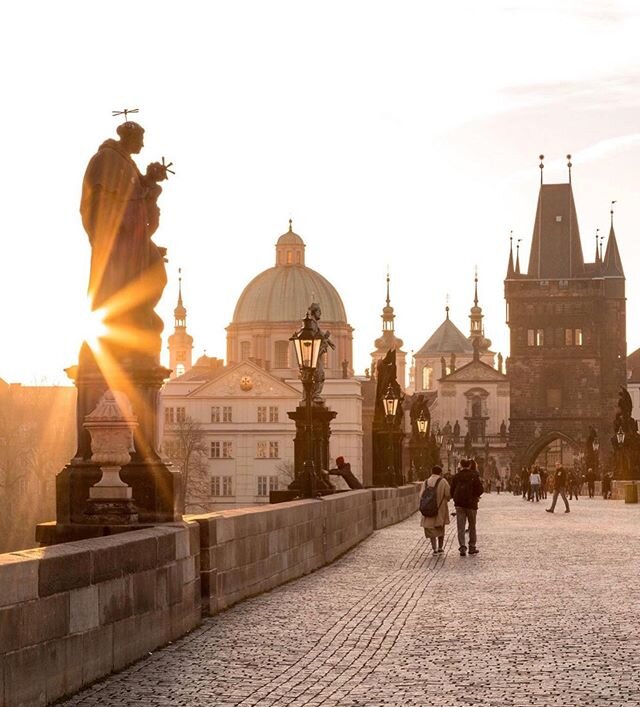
(591, 482)
(466, 489)
(559, 488)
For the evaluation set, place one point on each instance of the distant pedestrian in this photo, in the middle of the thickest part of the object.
(534, 484)
(543, 481)
(606, 485)
(591, 483)
(574, 483)
(524, 482)
(466, 489)
(559, 487)
(434, 525)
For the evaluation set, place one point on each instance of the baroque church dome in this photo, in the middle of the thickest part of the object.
(283, 293)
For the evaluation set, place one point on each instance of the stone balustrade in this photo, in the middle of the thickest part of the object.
(72, 613)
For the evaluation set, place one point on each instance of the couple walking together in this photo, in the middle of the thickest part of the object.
(466, 488)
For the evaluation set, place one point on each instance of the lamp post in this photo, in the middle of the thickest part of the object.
(306, 344)
(596, 457)
(622, 462)
(390, 402)
(423, 427)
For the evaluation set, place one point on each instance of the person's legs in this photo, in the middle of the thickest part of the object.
(440, 542)
(471, 515)
(564, 498)
(461, 521)
(555, 499)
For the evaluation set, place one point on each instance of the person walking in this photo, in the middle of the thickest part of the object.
(543, 482)
(591, 482)
(534, 484)
(574, 483)
(434, 525)
(466, 489)
(559, 487)
(606, 485)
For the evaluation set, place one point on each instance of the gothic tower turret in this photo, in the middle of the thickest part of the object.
(388, 341)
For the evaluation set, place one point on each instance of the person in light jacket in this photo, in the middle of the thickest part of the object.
(434, 527)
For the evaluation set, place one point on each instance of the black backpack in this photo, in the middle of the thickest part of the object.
(429, 500)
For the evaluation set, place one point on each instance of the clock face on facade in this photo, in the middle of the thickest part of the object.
(246, 383)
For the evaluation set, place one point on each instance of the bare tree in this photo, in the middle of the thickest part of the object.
(286, 471)
(185, 447)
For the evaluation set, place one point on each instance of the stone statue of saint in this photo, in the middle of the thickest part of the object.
(318, 377)
(120, 214)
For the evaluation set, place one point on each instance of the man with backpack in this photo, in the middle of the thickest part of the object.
(434, 508)
(466, 489)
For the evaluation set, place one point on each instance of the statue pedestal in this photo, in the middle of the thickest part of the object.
(387, 455)
(320, 432)
(86, 508)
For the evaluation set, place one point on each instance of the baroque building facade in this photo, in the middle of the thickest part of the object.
(567, 330)
(245, 436)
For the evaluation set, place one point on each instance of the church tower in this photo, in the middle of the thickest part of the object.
(180, 343)
(567, 333)
(476, 332)
(389, 340)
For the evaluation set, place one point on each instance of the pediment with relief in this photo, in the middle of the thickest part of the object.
(245, 380)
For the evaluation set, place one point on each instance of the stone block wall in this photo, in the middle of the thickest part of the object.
(248, 551)
(618, 489)
(73, 613)
(391, 505)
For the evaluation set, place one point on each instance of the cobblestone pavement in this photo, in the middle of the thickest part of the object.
(546, 614)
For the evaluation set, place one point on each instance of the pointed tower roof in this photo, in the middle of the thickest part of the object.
(612, 265)
(447, 338)
(180, 312)
(510, 269)
(556, 252)
(388, 340)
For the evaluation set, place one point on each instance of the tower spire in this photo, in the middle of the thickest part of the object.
(612, 264)
(569, 166)
(518, 256)
(180, 342)
(388, 300)
(475, 293)
(541, 169)
(598, 258)
(510, 269)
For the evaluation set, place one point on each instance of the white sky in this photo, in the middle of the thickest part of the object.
(393, 133)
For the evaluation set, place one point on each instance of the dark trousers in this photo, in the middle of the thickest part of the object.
(464, 515)
(591, 486)
(556, 493)
(535, 492)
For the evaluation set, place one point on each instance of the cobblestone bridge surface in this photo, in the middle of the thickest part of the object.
(546, 614)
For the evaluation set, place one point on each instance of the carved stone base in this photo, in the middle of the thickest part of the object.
(110, 511)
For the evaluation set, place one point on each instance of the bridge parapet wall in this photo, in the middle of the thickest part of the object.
(73, 613)
(248, 551)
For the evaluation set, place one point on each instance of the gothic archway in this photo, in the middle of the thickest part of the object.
(550, 448)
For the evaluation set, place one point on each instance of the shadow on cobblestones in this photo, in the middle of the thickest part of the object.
(545, 615)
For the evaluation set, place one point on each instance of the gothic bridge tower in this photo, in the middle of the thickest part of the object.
(568, 337)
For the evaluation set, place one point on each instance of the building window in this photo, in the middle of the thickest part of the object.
(180, 356)
(215, 413)
(267, 484)
(214, 451)
(221, 486)
(181, 414)
(577, 337)
(273, 450)
(180, 369)
(169, 418)
(535, 337)
(281, 354)
(262, 413)
(261, 450)
(227, 450)
(289, 257)
(568, 337)
(554, 398)
(273, 413)
(267, 450)
(226, 414)
(245, 350)
(563, 284)
(427, 377)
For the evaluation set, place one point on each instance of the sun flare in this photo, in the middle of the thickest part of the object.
(94, 327)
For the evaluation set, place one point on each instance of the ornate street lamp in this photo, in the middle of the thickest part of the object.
(422, 424)
(620, 436)
(595, 444)
(390, 401)
(439, 437)
(306, 344)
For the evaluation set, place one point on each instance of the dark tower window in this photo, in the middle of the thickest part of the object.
(281, 354)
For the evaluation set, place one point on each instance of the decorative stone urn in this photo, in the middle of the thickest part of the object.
(110, 427)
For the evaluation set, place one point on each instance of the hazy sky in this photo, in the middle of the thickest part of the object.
(400, 134)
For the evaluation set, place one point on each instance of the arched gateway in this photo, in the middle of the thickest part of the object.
(550, 448)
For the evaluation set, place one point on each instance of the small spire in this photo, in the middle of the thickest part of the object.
(179, 287)
(510, 270)
(518, 256)
(290, 225)
(569, 165)
(598, 254)
(612, 203)
(541, 168)
(446, 309)
(612, 263)
(388, 300)
(475, 296)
